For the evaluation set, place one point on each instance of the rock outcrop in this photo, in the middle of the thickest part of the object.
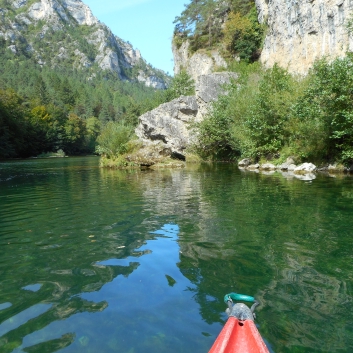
(170, 126)
(92, 43)
(299, 32)
(196, 64)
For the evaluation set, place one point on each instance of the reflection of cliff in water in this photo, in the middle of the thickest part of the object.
(180, 194)
(280, 240)
(308, 304)
(213, 256)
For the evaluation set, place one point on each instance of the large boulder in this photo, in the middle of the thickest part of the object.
(209, 87)
(170, 125)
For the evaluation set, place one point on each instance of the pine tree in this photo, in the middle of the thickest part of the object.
(41, 91)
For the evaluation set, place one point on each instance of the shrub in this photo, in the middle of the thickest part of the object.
(181, 85)
(113, 140)
(215, 140)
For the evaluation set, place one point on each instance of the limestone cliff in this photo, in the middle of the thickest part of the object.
(299, 32)
(57, 32)
(199, 63)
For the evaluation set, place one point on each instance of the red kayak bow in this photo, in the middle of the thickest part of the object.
(239, 334)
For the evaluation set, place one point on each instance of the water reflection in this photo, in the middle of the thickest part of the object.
(22, 318)
(140, 261)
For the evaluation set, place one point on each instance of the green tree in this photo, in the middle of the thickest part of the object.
(75, 134)
(13, 125)
(182, 85)
(327, 105)
(266, 122)
(243, 35)
(41, 90)
(215, 140)
(202, 19)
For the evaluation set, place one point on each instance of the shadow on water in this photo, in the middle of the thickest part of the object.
(98, 260)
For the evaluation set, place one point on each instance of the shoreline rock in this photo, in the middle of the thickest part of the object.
(303, 171)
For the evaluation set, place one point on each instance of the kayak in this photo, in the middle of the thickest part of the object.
(240, 334)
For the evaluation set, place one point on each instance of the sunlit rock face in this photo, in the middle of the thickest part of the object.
(111, 53)
(300, 32)
(196, 64)
(170, 126)
(45, 9)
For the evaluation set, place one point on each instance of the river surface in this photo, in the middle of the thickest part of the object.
(102, 261)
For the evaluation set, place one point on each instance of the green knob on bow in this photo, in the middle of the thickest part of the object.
(238, 297)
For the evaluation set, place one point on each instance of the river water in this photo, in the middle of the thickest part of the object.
(95, 260)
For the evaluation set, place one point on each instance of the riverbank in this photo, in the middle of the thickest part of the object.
(288, 169)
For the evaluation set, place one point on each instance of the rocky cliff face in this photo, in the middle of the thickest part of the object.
(85, 42)
(299, 32)
(196, 64)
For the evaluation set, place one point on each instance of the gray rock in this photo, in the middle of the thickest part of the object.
(19, 3)
(253, 166)
(335, 168)
(300, 32)
(291, 167)
(196, 64)
(80, 12)
(12, 48)
(169, 124)
(151, 81)
(108, 60)
(305, 168)
(286, 164)
(349, 169)
(268, 166)
(209, 87)
(244, 162)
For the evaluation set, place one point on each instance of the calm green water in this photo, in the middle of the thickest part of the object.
(97, 260)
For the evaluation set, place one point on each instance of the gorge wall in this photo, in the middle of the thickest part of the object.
(85, 43)
(196, 64)
(299, 32)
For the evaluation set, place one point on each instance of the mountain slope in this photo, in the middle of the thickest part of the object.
(58, 33)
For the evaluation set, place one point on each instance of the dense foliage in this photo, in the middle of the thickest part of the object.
(208, 23)
(243, 35)
(44, 110)
(270, 114)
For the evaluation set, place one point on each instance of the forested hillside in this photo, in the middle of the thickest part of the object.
(63, 77)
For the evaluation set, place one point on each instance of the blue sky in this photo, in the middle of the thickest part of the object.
(146, 24)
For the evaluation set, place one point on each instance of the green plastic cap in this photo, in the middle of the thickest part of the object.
(238, 297)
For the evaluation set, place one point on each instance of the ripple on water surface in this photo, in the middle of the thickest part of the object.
(98, 260)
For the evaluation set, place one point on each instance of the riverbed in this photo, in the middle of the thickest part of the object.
(96, 260)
